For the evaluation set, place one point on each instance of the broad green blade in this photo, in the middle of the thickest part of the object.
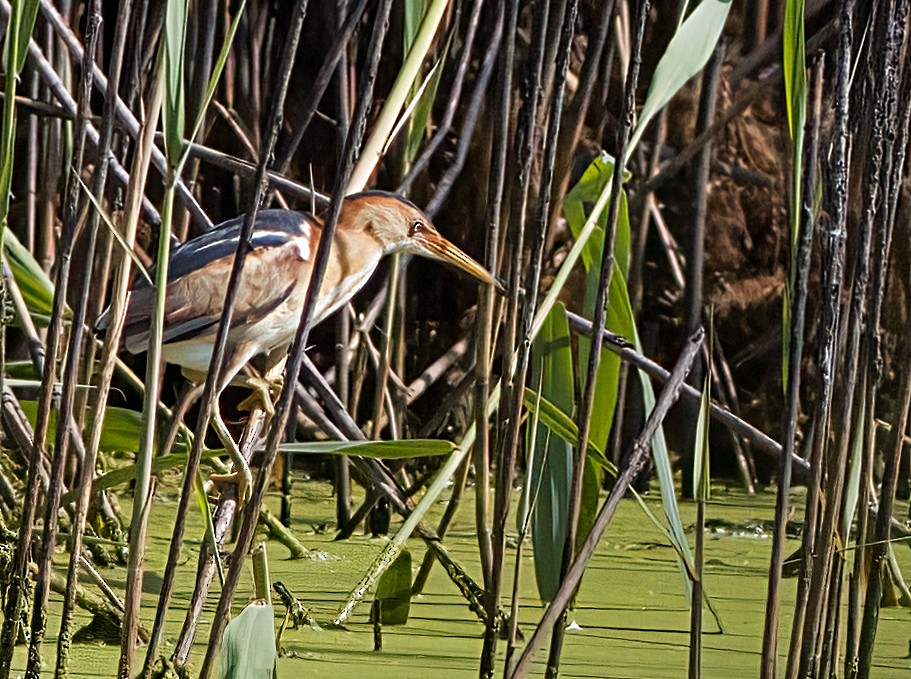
(551, 470)
(172, 110)
(34, 284)
(562, 425)
(248, 646)
(620, 320)
(121, 433)
(394, 591)
(402, 449)
(686, 54)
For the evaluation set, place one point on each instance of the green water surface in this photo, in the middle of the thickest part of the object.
(632, 611)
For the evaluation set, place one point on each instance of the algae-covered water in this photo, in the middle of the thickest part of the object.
(632, 614)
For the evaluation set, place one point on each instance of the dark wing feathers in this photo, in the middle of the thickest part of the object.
(198, 275)
(272, 228)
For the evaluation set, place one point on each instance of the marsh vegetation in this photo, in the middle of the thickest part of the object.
(676, 419)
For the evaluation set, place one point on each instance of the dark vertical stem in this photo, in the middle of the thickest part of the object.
(696, 258)
(833, 266)
(867, 394)
(798, 303)
(834, 251)
(222, 520)
(455, 97)
(571, 132)
(343, 332)
(694, 274)
(597, 339)
(296, 358)
(70, 376)
(18, 577)
(505, 452)
(894, 154)
(487, 303)
(218, 354)
(828, 648)
(485, 338)
(695, 263)
(566, 18)
(320, 83)
(466, 131)
(87, 468)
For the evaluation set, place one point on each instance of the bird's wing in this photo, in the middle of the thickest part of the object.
(198, 276)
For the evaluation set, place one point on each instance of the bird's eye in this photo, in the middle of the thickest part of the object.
(416, 227)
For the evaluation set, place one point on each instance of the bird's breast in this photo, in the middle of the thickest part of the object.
(341, 284)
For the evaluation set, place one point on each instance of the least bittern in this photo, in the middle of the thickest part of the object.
(273, 286)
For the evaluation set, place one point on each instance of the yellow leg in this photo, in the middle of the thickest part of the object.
(241, 474)
(265, 392)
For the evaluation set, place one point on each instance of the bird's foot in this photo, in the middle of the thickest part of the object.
(242, 477)
(241, 474)
(265, 393)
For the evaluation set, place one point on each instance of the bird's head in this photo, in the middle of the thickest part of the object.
(400, 226)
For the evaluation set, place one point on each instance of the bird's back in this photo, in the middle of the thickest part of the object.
(199, 270)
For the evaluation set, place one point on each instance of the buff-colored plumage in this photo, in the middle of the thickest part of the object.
(273, 288)
(276, 276)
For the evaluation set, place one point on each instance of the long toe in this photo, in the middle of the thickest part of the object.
(257, 401)
(264, 394)
(242, 477)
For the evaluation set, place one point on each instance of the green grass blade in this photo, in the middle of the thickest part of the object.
(402, 449)
(551, 470)
(121, 241)
(794, 65)
(423, 106)
(795, 87)
(202, 502)
(686, 54)
(26, 12)
(702, 479)
(702, 487)
(393, 591)
(248, 647)
(15, 48)
(172, 111)
(562, 425)
(34, 284)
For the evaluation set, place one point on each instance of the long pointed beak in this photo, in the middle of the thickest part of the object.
(432, 244)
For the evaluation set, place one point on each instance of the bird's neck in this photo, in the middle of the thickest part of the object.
(353, 258)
